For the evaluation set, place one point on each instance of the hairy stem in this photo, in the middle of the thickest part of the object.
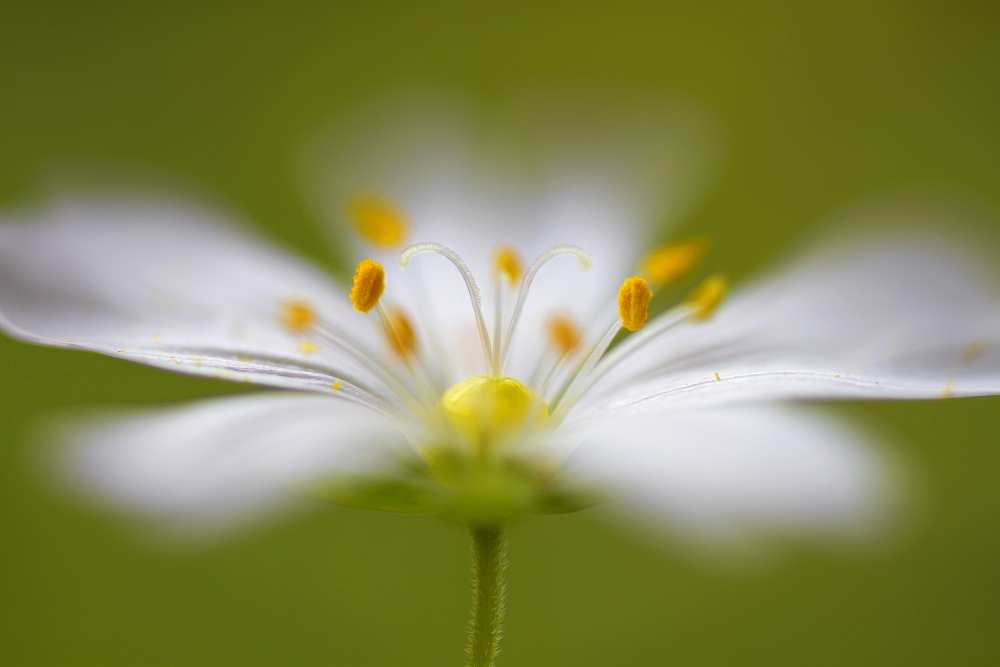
(489, 592)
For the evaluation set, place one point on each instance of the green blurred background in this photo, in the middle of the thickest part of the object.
(816, 108)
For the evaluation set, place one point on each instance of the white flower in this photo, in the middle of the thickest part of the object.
(484, 406)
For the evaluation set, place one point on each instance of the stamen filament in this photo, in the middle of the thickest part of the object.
(421, 371)
(529, 277)
(544, 387)
(497, 315)
(368, 361)
(471, 286)
(661, 325)
(588, 363)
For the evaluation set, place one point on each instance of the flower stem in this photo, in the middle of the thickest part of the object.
(489, 592)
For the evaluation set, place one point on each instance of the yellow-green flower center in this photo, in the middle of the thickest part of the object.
(486, 409)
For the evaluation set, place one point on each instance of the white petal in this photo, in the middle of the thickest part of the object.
(729, 474)
(905, 315)
(224, 461)
(592, 177)
(171, 286)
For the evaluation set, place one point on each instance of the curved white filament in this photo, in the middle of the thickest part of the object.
(529, 277)
(470, 284)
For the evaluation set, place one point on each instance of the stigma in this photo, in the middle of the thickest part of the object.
(486, 409)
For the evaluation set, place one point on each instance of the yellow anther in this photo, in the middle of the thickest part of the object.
(485, 409)
(377, 220)
(508, 263)
(308, 347)
(633, 302)
(368, 285)
(400, 334)
(336, 386)
(672, 262)
(563, 333)
(707, 297)
(297, 316)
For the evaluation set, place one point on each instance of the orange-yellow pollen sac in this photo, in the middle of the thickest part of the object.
(508, 263)
(563, 333)
(400, 334)
(672, 262)
(377, 220)
(297, 316)
(368, 285)
(633, 302)
(707, 297)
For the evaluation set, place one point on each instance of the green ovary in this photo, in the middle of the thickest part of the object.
(486, 409)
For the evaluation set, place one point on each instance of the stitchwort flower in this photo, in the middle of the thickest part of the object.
(486, 371)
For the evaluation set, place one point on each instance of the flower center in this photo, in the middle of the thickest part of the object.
(485, 409)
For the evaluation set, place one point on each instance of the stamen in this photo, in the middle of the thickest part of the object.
(585, 366)
(634, 296)
(400, 334)
(297, 316)
(377, 220)
(357, 351)
(470, 285)
(508, 263)
(707, 297)
(699, 307)
(662, 324)
(672, 262)
(529, 277)
(633, 302)
(563, 334)
(368, 285)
